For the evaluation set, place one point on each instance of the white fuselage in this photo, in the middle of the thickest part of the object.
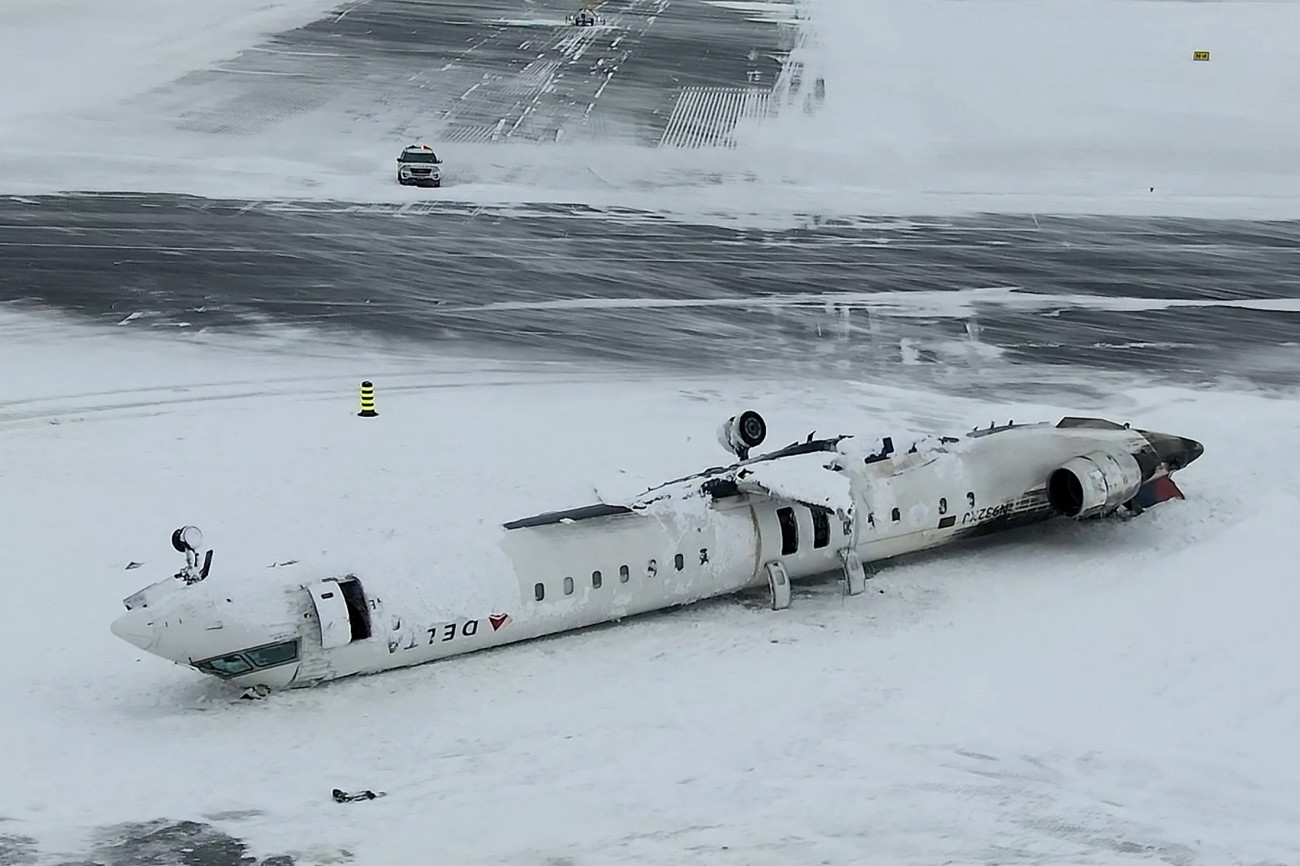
(803, 511)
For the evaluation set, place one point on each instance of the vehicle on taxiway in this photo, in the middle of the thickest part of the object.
(418, 165)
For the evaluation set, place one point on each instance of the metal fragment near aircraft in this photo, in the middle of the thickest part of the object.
(825, 505)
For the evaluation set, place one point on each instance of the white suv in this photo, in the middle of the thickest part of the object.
(418, 165)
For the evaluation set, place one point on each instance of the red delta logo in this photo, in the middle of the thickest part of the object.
(498, 620)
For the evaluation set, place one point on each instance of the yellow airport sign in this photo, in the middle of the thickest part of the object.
(1200, 55)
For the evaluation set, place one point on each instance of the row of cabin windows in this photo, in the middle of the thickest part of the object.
(895, 515)
(624, 575)
(789, 543)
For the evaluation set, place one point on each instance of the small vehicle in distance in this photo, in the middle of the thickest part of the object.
(584, 18)
(418, 165)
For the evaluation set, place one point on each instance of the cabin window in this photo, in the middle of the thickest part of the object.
(704, 555)
(651, 569)
(679, 562)
(943, 505)
(789, 530)
(539, 591)
(623, 574)
(970, 498)
(274, 654)
(225, 666)
(596, 580)
(895, 516)
(568, 586)
(821, 527)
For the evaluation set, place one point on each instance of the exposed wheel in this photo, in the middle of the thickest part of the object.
(187, 538)
(751, 428)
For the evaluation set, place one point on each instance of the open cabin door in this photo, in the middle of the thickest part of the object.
(332, 613)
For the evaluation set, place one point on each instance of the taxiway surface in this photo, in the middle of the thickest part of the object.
(1193, 300)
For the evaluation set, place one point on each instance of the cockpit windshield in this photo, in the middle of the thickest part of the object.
(226, 666)
(275, 654)
(235, 664)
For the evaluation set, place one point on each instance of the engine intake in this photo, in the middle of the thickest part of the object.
(1094, 484)
(739, 433)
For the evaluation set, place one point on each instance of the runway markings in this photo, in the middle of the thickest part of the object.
(557, 92)
(708, 116)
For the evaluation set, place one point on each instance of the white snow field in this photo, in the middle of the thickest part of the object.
(66, 58)
(1110, 692)
(931, 106)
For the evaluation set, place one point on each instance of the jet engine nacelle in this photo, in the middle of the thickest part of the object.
(1094, 484)
(739, 433)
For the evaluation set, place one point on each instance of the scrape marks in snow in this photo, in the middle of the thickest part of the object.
(708, 116)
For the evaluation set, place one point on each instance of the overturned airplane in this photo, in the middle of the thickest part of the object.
(837, 504)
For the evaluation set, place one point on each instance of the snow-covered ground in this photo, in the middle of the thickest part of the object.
(1118, 692)
(66, 58)
(1078, 105)
(930, 106)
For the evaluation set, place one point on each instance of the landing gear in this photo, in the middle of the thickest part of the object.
(189, 541)
(855, 576)
(778, 583)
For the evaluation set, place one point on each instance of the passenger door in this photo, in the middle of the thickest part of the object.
(332, 613)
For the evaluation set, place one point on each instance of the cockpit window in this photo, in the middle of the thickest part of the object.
(275, 654)
(242, 662)
(226, 666)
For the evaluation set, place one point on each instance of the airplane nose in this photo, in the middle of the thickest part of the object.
(1191, 450)
(135, 628)
(1175, 451)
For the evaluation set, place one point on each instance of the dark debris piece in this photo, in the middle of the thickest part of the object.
(341, 796)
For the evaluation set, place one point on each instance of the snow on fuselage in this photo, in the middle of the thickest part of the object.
(805, 510)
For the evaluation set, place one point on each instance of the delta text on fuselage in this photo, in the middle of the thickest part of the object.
(826, 505)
